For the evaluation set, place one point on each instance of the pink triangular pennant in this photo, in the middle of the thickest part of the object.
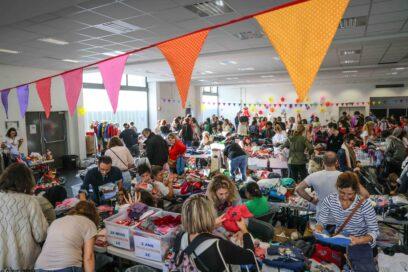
(22, 95)
(44, 92)
(112, 71)
(73, 87)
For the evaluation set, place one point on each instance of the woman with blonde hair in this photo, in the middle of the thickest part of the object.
(223, 193)
(121, 158)
(205, 251)
(280, 136)
(70, 241)
(367, 134)
(206, 140)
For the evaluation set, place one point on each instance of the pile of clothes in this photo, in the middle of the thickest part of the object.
(66, 205)
(160, 225)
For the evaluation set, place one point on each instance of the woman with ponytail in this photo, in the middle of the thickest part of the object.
(257, 204)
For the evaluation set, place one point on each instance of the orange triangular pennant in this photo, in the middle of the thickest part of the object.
(301, 34)
(181, 54)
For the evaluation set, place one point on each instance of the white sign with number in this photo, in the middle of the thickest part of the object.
(119, 236)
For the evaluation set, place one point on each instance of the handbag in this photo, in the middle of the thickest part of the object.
(360, 258)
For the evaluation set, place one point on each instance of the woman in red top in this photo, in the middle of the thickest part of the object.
(177, 149)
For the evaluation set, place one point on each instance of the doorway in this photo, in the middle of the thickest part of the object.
(351, 110)
(51, 133)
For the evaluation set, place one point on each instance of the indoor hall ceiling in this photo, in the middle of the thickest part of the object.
(376, 49)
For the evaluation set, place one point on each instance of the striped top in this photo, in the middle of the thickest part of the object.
(363, 222)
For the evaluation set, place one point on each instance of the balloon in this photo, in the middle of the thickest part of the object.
(81, 111)
(282, 99)
(327, 104)
(271, 109)
(203, 107)
(298, 110)
(297, 100)
(271, 99)
(261, 112)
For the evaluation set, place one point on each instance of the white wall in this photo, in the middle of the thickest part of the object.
(333, 92)
(168, 110)
(12, 76)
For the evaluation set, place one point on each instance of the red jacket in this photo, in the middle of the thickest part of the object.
(176, 150)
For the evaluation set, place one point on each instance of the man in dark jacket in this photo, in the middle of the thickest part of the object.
(129, 136)
(157, 149)
(187, 132)
(335, 139)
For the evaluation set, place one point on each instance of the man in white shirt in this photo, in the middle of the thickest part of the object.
(323, 182)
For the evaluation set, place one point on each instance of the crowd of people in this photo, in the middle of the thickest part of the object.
(31, 236)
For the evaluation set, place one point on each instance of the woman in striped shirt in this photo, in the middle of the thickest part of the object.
(335, 208)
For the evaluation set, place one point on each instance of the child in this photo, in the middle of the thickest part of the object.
(257, 204)
(163, 184)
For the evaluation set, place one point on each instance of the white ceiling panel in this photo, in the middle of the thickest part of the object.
(94, 32)
(118, 38)
(72, 37)
(388, 17)
(355, 11)
(176, 15)
(118, 11)
(90, 18)
(389, 6)
(392, 26)
(151, 6)
(94, 4)
(96, 42)
(143, 21)
(141, 34)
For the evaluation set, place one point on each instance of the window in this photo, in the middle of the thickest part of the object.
(132, 104)
(136, 81)
(209, 100)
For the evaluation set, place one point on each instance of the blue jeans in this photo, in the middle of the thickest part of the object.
(188, 143)
(240, 163)
(68, 269)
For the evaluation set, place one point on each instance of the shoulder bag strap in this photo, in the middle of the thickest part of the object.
(119, 158)
(358, 205)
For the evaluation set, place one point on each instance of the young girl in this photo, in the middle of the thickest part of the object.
(257, 204)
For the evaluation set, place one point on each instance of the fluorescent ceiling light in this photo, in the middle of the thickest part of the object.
(349, 61)
(2, 50)
(112, 54)
(347, 52)
(267, 76)
(276, 58)
(232, 78)
(393, 73)
(70, 60)
(349, 71)
(228, 62)
(207, 73)
(399, 68)
(202, 80)
(246, 69)
(54, 41)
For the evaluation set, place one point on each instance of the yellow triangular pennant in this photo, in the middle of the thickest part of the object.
(301, 34)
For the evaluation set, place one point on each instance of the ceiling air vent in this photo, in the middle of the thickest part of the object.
(117, 27)
(247, 35)
(210, 8)
(353, 22)
(390, 86)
